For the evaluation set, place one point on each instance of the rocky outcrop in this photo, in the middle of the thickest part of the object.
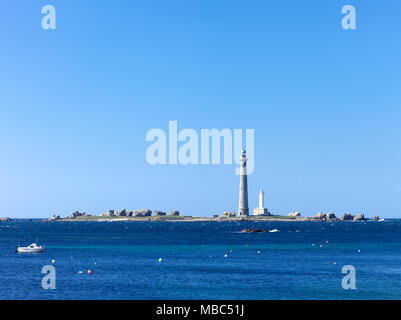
(228, 214)
(331, 217)
(142, 213)
(5, 219)
(77, 214)
(127, 213)
(55, 217)
(346, 217)
(359, 217)
(109, 213)
(376, 218)
(121, 213)
(160, 213)
(174, 213)
(320, 216)
(294, 214)
(253, 230)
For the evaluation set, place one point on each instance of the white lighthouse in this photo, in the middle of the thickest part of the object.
(261, 211)
(261, 202)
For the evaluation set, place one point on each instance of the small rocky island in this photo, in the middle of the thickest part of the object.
(157, 215)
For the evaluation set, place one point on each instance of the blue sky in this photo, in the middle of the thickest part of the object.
(76, 104)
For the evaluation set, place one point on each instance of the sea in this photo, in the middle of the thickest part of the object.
(201, 260)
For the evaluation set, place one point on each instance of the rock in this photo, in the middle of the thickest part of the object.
(142, 213)
(5, 219)
(294, 214)
(331, 217)
(160, 213)
(55, 217)
(346, 217)
(147, 212)
(174, 213)
(253, 230)
(359, 217)
(77, 214)
(376, 218)
(320, 216)
(137, 213)
(121, 213)
(227, 214)
(109, 213)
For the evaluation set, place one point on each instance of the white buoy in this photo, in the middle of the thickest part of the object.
(80, 272)
(225, 256)
(258, 251)
(160, 259)
(53, 261)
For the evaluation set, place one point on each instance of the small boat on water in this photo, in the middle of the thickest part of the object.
(33, 248)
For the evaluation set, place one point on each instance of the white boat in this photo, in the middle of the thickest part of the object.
(33, 248)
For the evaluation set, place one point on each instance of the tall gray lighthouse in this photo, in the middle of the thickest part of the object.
(243, 209)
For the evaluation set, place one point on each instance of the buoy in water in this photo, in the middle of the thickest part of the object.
(225, 256)
(53, 261)
(258, 251)
(89, 271)
(160, 259)
(80, 272)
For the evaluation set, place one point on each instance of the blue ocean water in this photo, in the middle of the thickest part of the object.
(124, 259)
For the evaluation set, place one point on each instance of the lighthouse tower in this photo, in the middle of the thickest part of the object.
(243, 209)
(261, 202)
(261, 211)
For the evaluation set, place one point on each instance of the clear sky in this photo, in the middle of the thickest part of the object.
(76, 104)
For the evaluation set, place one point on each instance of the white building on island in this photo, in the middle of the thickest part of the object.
(261, 211)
